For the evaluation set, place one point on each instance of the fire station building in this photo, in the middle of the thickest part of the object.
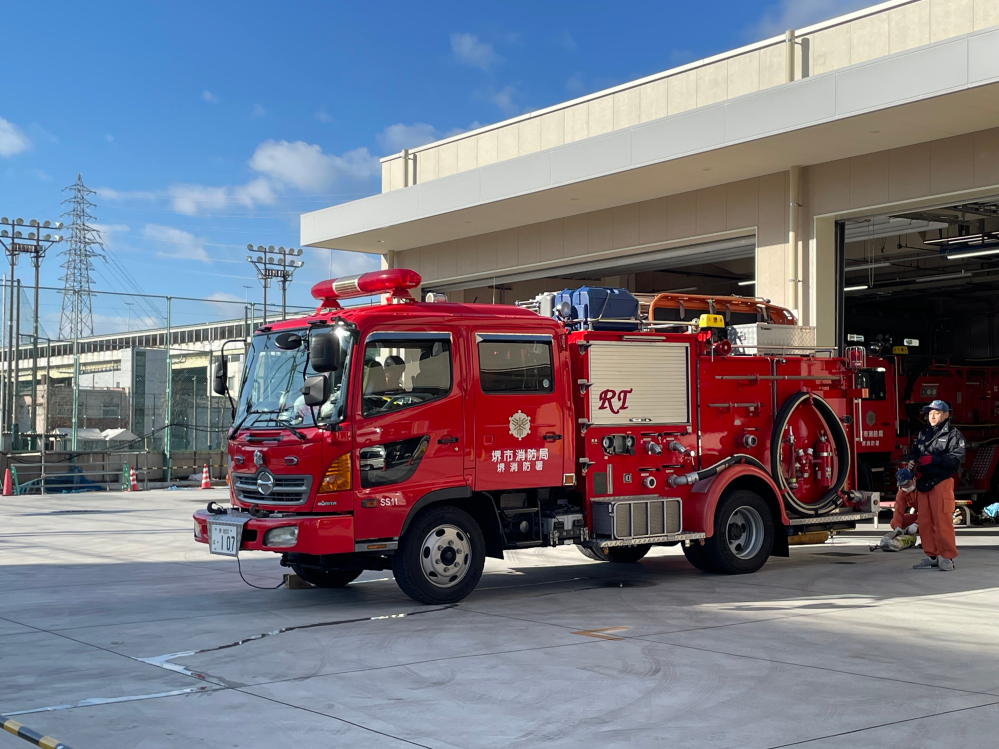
(848, 170)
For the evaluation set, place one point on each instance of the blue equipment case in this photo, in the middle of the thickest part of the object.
(593, 307)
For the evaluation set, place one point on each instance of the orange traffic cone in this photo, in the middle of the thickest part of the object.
(8, 489)
(133, 481)
(206, 482)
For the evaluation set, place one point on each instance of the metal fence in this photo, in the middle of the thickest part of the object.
(134, 377)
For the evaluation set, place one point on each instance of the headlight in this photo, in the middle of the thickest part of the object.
(281, 537)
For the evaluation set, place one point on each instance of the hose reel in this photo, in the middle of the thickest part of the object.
(831, 499)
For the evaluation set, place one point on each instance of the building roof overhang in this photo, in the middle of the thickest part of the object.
(940, 90)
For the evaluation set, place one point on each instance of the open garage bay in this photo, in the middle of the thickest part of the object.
(118, 630)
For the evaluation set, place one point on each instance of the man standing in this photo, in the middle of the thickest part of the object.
(937, 454)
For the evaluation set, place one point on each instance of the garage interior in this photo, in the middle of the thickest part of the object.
(721, 268)
(930, 275)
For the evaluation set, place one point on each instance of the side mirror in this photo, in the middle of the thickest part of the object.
(324, 352)
(316, 390)
(220, 377)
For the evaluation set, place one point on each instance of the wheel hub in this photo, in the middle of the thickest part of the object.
(745, 533)
(445, 556)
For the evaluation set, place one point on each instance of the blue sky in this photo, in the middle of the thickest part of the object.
(207, 125)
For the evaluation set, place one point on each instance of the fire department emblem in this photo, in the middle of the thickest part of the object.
(520, 425)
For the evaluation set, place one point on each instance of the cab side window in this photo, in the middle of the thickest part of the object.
(511, 365)
(397, 374)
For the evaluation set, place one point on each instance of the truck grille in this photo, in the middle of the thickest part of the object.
(288, 490)
(635, 517)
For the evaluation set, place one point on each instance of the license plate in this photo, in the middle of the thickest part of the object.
(224, 538)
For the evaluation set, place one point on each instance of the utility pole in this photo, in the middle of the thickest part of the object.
(276, 264)
(35, 245)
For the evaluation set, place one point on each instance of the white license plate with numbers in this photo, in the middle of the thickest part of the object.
(224, 538)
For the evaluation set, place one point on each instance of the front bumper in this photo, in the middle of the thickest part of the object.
(322, 534)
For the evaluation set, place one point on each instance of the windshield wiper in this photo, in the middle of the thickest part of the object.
(293, 431)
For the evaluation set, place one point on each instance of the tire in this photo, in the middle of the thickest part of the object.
(427, 578)
(324, 579)
(744, 534)
(698, 557)
(618, 554)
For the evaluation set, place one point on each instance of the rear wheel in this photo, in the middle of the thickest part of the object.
(744, 534)
(619, 554)
(324, 579)
(441, 556)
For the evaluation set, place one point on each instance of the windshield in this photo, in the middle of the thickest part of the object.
(270, 393)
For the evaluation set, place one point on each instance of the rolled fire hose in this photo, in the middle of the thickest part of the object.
(831, 499)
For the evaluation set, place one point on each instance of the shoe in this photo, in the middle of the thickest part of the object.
(946, 565)
(925, 563)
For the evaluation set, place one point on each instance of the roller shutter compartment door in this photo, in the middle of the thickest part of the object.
(634, 382)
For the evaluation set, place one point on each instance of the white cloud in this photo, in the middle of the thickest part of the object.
(468, 50)
(208, 96)
(111, 232)
(396, 137)
(793, 14)
(304, 166)
(181, 244)
(503, 99)
(194, 199)
(565, 41)
(323, 116)
(12, 139)
(473, 125)
(111, 194)
(257, 111)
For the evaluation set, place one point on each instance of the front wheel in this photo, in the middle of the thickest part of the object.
(324, 579)
(744, 534)
(441, 556)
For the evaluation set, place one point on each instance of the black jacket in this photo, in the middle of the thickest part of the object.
(945, 445)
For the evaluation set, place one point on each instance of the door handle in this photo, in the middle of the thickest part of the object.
(552, 437)
(447, 440)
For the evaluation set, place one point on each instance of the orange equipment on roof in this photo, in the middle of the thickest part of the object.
(736, 310)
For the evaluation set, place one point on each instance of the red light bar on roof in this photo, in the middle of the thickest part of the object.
(393, 281)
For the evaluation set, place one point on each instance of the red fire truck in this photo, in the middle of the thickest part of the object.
(890, 416)
(426, 436)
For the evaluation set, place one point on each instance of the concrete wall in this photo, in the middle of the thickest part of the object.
(926, 173)
(874, 32)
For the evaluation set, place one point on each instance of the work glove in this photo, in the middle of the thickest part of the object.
(926, 460)
(912, 530)
(911, 465)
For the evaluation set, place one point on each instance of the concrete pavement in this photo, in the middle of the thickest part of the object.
(118, 630)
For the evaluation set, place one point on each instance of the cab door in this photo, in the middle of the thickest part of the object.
(520, 414)
(409, 427)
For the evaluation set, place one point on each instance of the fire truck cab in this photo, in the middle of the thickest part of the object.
(423, 437)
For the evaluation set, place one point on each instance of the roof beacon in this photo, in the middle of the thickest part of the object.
(393, 281)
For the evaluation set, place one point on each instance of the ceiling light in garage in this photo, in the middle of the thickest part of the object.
(941, 277)
(868, 266)
(746, 283)
(856, 288)
(974, 253)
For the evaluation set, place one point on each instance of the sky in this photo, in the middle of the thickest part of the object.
(204, 126)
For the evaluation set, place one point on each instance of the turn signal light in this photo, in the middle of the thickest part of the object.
(337, 478)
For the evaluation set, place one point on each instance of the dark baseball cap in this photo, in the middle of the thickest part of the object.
(937, 405)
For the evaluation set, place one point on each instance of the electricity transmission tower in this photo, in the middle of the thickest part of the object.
(77, 318)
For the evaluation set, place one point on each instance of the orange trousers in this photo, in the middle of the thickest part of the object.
(936, 520)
